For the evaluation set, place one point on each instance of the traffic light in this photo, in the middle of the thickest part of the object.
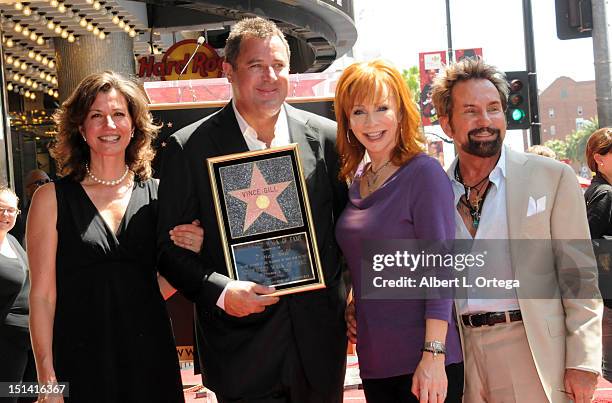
(574, 19)
(518, 115)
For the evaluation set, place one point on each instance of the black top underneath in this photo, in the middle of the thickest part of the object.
(112, 338)
(14, 287)
(598, 199)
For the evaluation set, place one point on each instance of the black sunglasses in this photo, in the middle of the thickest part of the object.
(40, 182)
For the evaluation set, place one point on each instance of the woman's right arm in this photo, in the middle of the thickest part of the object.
(41, 235)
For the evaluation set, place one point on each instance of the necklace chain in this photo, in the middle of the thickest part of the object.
(107, 182)
(373, 178)
(475, 208)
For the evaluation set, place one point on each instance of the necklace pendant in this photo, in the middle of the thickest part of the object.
(475, 218)
(373, 175)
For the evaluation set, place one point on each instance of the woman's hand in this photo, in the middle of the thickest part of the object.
(188, 236)
(429, 381)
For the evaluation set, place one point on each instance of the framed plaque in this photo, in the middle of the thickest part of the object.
(264, 219)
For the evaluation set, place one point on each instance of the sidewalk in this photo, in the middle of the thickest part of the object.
(603, 394)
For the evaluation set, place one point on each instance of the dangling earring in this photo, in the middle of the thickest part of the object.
(348, 138)
(132, 134)
(84, 138)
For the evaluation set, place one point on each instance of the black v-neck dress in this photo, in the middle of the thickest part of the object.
(112, 339)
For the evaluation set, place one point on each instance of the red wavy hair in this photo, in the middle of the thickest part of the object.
(365, 83)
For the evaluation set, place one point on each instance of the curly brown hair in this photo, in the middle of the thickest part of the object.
(71, 153)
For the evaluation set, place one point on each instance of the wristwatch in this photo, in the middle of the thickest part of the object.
(435, 347)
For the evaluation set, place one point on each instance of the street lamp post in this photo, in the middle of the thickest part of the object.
(602, 17)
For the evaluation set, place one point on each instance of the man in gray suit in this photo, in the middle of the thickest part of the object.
(254, 347)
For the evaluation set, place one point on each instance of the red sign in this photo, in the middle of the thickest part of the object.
(430, 64)
(461, 54)
(205, 64)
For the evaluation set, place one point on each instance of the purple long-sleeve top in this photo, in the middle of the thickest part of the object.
(416, 202)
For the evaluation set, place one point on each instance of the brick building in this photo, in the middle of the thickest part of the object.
(564, 105)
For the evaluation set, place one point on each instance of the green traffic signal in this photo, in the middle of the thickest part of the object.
(517, 106)
(518, 115)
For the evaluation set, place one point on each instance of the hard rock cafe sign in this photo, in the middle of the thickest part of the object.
(205, 64)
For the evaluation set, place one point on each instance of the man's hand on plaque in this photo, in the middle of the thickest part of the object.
(243, 298)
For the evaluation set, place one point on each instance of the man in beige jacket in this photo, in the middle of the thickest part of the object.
(535, 346)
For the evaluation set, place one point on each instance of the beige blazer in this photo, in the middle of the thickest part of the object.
(563, 331)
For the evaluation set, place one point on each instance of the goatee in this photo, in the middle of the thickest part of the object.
(483, 149)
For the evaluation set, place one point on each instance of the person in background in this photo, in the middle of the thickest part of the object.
(98, 319)
(33, 180)
(598, 198)
(15, 347)
(400, 194)
(544, 151)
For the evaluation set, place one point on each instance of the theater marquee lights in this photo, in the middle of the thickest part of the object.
(30, 28)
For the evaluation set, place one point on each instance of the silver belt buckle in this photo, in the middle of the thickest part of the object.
(470, 320)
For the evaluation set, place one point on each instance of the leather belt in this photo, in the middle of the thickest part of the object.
(490, 318)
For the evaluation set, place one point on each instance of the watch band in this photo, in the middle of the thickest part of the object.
(435, 347)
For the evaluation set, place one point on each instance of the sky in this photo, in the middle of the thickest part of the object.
(397, 30)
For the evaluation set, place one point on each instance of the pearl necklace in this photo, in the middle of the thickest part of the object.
(107, 183)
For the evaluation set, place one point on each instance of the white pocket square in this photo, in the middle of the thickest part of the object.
(536, 206)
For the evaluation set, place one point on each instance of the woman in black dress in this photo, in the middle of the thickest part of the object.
(598, 198)
(98, 320)
(15, 347)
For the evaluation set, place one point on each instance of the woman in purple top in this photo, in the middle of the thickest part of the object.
(401, 194)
